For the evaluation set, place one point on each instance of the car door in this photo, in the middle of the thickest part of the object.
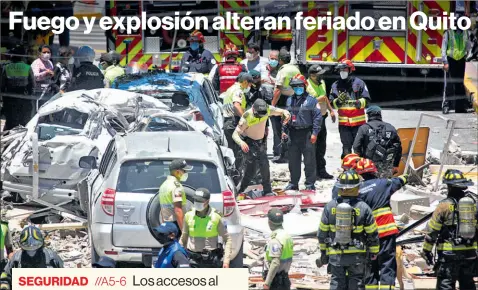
(215, 107)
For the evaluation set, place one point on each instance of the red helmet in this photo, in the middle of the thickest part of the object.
(230, 50)
(196, 35)
(346, 63)
(298, 79)
(365, 166)
(349, 161)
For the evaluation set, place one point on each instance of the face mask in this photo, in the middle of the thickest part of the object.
(45, 56)
(184, 177)
(31, 253)
(344, 74)
(273, 62)
(71, 60)
(249, 56)
(299, 91)
(199, 206)
(164, 239)
(100, 66)
(195, 45)
(246, 90)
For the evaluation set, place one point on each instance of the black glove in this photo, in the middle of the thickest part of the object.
(323, 260)
(342, 97)
(428, 257)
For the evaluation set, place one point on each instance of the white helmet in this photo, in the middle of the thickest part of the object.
(85, 53)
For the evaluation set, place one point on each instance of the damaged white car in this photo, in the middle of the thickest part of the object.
(76, 124)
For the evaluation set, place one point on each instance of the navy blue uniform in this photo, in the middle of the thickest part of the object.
(306, 119)
(87, 77)
(200, 61)
(172, 256)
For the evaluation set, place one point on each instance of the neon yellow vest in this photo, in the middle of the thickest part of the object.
(251, 120)
(316, 90)
(3, 235)
(230, 92)
(456, 44)
(112, 72)
(203, 227)
(166, 190)
(287, 246)
(289, 71)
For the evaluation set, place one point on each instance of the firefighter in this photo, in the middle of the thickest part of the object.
(197, 58)
(32, 254)
(172, 254)
(202, 227)
(346, 233)
(376, 193)
(172, 196)
(302, 129)
(86, 76)
(316, 88)
(110, 70)
(282, 92)
(223, 75)
(16, 80)
(250, 136)
(278, 253)
(453, 230)
(379, 141)
(349, 96)
(455, 47)
(234, 105)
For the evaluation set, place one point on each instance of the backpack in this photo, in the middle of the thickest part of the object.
(380, 147)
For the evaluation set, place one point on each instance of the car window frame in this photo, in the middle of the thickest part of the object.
(214, 94)
(110, 149)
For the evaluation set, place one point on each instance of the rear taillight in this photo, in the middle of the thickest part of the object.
(198, 116)
(108, 201)
(229, 202)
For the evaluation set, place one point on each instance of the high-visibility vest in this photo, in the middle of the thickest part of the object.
(287, 246)
(456, 44)
(289, 71)
(228, 73)
(166, 192)
(112, 72)
(17, 74)
(349, 115)
(3, 235)
(251, 120)
(228, 98)
(206, 227)
(385, 222)
(280, 35)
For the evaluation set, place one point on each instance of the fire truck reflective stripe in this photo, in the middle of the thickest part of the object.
(397, 47)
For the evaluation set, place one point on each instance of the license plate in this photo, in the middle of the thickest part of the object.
(153, 261)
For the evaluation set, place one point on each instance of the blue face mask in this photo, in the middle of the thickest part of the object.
(194, 45)
(299, 91)
(273, 62)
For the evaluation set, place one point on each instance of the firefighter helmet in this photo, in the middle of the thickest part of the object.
(346, 63)
(231, 50)
(365, 166)
(348, 179)
(349, 161)
(196, 35)
(298, 80)
(31, 238)
(454, 177)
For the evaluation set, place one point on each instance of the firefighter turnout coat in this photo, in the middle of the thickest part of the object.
(350, 114)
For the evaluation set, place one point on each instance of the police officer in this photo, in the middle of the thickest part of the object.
(346, 233)
(282, 91)
(453, 230)
(234, 105)
(250, 136)
(316, 88)
(197, 58)
(376, 193)
(86, 76)
(224, 74)
(110, 70)
(172, 254)
(104, 262)
(349, 96)
(379, 141)
(279, 253)
(32, 254)
(15, 81)
(172, 196)
(302, 129)
(203, 226)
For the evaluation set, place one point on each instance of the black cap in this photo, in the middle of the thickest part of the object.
(260, 106)
(167, 228)
(107, 57)
(104, 262)
(316, 69)
(244, 77)
(276, 216)
(179, 164)
(202, 195)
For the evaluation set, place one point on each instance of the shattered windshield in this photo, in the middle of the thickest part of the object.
(64, 122)
(158, 124)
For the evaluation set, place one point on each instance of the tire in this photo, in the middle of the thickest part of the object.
(238, 262)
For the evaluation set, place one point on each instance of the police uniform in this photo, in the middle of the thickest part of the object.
(278, 253)
(305, 121)
(113, 70)
(171, 255)
(346, 233)
(200, 61)
(453, 229)
(253, 128)
(201, 232)
(352, 111)
(386, 155)
(87, 77)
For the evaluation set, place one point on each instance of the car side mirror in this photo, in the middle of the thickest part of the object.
(88, 162)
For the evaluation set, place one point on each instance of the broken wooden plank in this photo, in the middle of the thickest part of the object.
(62, 226)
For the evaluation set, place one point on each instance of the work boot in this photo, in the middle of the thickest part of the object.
(324, 175)
(280, 160)
(291, 186)
(310, 187)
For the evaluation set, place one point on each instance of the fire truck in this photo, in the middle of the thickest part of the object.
(163, 48)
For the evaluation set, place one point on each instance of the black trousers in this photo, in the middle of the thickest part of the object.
(321, 146)
(300, 146)
(229, 127)
(347, 137)
(257, 156)
(353, 281)
(454, 83)
(281, 282)
(450, 272)
(276, 123)
(384, 268)
(179, 229)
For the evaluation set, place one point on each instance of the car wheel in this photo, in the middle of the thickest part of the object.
(237, 262)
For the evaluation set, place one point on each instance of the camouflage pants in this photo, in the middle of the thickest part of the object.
(385, 169)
